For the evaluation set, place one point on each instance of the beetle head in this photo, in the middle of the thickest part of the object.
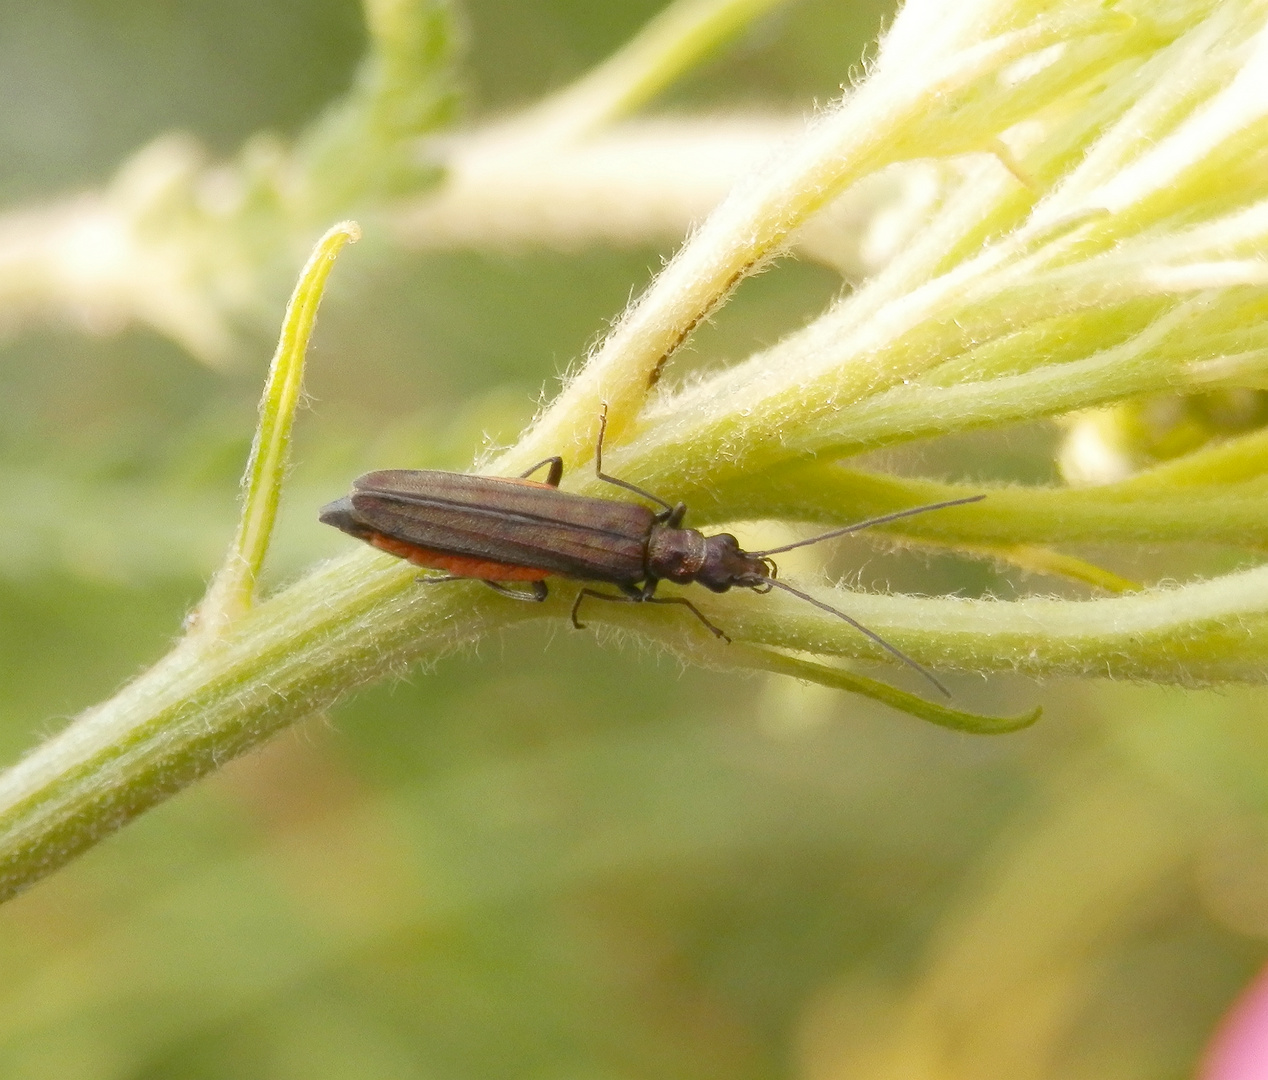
(726, 565)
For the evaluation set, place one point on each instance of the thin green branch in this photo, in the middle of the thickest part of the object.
(669, 45)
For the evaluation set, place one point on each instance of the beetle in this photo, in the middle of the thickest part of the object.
(514, 529)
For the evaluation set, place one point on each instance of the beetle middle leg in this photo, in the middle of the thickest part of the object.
(639, 596)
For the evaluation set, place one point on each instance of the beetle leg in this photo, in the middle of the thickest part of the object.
(673, 518)
(598, 471)
(539, 593)
(556, 470)
(642, 596)
(582, 594)
(630, 594)
(716, 631)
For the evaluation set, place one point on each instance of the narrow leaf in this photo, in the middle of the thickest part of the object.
(841, 679)
(233, 587)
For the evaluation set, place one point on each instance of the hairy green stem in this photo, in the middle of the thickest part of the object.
(363, 617)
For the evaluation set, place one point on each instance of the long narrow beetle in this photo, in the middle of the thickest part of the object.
(502, 529)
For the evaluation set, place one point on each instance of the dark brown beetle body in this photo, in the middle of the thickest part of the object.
(500, 529)
(507, 530)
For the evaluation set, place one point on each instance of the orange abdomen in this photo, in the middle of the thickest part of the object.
(461, 565)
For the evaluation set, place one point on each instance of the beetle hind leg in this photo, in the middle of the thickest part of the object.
(538, 594)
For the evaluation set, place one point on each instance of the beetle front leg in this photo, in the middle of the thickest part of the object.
(716, 631)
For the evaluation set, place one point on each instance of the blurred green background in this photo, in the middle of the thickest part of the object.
(552, 857)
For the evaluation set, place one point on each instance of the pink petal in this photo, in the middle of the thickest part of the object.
(1239, 1048)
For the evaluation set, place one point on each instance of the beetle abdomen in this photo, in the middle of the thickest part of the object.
(472, 525)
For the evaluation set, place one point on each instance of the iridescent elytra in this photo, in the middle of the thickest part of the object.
(514, 529)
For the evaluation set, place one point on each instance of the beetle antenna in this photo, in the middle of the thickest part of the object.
(858, 525)
(893, 651)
